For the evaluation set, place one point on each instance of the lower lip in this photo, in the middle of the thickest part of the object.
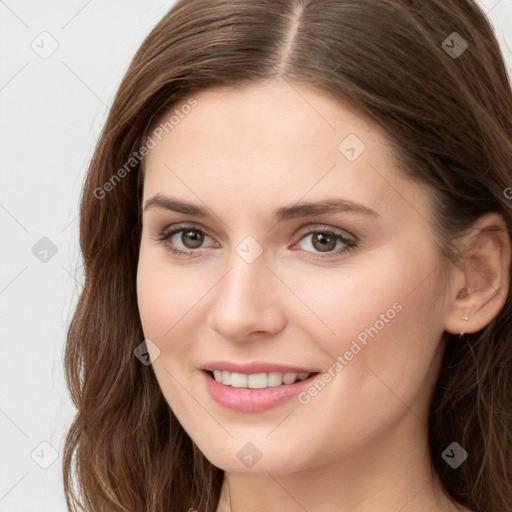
(254, 400)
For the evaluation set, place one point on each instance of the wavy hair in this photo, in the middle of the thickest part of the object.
(450, 119)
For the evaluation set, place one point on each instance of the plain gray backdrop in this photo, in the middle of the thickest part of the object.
(61, 64)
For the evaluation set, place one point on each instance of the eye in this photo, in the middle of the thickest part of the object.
(190, 237)
(323, 241)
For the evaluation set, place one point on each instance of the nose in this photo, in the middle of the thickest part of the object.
(247, 301)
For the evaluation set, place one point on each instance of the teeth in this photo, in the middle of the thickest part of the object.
(257, 380)
(289, 378)
(238, 380)
(274, 379)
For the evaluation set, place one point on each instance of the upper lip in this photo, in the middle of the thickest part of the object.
(255, 367)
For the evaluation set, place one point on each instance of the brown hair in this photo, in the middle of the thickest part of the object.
(450, 118)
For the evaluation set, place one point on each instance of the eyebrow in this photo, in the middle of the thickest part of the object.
(305, 209)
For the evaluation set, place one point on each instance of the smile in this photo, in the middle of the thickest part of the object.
(257, 380)
(268, 389)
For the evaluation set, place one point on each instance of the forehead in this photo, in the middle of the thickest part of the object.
(258, 143)
(275, 112)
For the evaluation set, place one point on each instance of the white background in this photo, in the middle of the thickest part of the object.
(51, 113)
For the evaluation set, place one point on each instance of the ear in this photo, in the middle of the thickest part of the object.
(481, 279)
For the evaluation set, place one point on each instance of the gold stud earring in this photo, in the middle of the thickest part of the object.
(461, 335)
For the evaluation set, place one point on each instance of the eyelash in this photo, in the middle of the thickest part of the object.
(167, 233)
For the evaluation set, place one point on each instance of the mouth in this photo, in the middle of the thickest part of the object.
(260, 380)
(254, 393)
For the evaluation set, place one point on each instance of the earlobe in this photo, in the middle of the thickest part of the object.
(482, 283)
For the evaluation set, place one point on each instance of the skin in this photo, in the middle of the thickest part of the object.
(360, 445)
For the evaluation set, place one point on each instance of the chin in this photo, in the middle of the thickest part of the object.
(246, 458)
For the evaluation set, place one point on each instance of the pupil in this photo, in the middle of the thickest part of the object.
(322, 237)
(197, 239)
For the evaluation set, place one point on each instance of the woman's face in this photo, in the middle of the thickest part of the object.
(274, 277)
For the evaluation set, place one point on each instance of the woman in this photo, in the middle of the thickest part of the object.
(296, 236)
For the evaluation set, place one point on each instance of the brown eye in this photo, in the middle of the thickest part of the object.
(192, 238)
(323, 242)
(183, 239)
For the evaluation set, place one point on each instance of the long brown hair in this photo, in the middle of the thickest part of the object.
(449, 113)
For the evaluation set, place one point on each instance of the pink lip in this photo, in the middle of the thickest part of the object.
(254, 400)
(255, 367)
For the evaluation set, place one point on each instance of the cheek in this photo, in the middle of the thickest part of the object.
(166, 297)
(381, 321)
(166, 294)
(339, 304)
